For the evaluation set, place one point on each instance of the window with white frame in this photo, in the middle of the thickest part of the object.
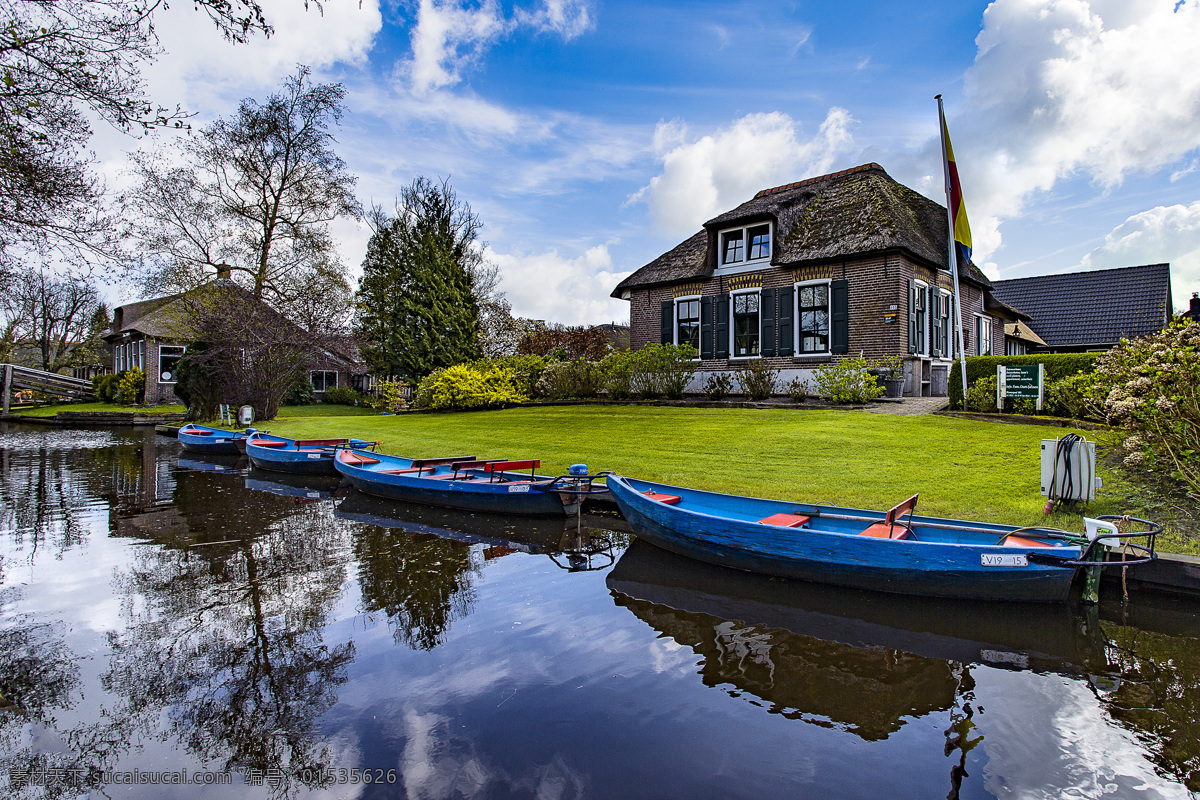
(746, 245)
(1014, 348)
(812, 317)
(983, 335)
(746, 324)
(168, 362)
(323, 379)
(920, 302)
(687, 322)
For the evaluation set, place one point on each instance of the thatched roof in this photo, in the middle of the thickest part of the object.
(851, 213)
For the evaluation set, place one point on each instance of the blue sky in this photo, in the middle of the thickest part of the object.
(592, 135)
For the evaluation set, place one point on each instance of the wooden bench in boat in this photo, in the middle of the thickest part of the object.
(786, 520)
(419, 465)
(357, 459)
(891, 528)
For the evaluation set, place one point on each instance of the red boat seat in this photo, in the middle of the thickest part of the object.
(508, 466)
(267, 443)
(669, 499)
(1021, 541)
(356, 458)
(199, 433)
(786, 520)
(881, 530)
(399, 471)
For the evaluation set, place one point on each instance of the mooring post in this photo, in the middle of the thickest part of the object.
(7, 387)
(1091, 576)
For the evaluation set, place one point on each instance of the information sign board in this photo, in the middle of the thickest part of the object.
(1027, 381)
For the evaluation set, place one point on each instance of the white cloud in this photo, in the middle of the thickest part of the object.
(1061, 88)
(573, 291)
(706, 176)
(1162, 234)
(567, 18)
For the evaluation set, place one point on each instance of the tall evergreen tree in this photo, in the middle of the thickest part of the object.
(415, 305)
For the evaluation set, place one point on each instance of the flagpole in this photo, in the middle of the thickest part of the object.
(952, 260)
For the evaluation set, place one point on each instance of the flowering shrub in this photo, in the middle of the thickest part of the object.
(1151, 387)
(466, 386)
(848, 381)
(131, 387)
(389, 397)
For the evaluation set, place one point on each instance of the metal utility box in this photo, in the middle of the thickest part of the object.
(246, 415)
(1075, 476)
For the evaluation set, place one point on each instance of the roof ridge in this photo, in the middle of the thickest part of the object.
(808, 181)
(1083, 272)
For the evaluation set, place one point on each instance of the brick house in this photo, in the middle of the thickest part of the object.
(810, 272)
(153, 335)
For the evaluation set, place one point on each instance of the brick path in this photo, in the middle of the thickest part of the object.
(911, 405)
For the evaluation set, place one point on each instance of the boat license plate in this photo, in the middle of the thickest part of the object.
(521, 487)
(314, 455)
(1004, 560)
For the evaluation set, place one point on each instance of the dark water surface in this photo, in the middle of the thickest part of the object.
(160, 613)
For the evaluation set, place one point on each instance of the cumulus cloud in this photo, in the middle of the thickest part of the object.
(702, 177)
(1066, 88)
(451, 35)
(573, 291)
(1164, 233)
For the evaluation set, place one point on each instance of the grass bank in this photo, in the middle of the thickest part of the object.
(50, 411)
(961, 468)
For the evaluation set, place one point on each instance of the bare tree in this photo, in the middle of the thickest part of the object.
(63, 64)
(255, 196)
(62, 316)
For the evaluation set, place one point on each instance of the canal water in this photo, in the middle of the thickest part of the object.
(175, 626)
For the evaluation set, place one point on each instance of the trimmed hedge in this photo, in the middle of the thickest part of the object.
(1058, 366)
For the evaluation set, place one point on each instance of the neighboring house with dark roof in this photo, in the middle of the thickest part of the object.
(153, 335)
(1193, 312)
(1089, 311)
(807, 273)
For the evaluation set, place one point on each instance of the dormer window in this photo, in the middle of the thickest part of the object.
(746, 245)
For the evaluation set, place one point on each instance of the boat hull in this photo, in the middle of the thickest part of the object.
(215, 442)
(491, 498)
(293, 460)
(929, 569)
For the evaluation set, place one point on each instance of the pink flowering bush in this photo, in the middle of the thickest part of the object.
(1151, 387)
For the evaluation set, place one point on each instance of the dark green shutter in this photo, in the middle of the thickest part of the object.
(723, 326)
(706, 327)
(912, 316)
(785, 328)
(839, 317)
(668, 322)
(935, 322)
(766, 311)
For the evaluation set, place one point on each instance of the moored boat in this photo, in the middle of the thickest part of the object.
(895, 551)
(491, 485)
(297, 456)
(213, 441)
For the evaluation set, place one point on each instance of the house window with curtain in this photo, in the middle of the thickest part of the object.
(746, 324)
(983, 335)
(687, 322)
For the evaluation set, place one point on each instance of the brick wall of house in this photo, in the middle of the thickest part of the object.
(878, 301)
(157, 392)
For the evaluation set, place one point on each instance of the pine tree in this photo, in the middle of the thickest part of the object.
(415, 306)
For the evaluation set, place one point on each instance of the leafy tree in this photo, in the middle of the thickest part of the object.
(415, 304)
(254, 198)
(63, 65)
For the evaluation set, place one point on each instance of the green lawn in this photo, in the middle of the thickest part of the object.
(50, 411)
(961, 468)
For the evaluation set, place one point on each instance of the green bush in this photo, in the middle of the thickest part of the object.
(526, 370)
(718, 385)
(982, 395)
(466, 386)
(1058, 366)
(848, 381)
(341, 396)
(797, 389)
(578, 378)
(663, 370)
(1072, 396)
(758, 380)
(301, 394)
(131, 388)
(617, 368)
(106, 387)
(389, 397)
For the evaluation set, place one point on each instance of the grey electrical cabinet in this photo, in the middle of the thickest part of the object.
(1069, 469)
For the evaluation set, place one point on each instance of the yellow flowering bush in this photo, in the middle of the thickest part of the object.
(467, 386)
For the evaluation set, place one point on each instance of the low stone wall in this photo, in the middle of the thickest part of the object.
(104, 418)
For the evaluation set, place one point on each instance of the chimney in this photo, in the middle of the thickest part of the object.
(223, 272)
(1194, 311)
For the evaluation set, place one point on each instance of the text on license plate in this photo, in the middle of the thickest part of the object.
(314, 455)
(519, 487)
(1004, 560)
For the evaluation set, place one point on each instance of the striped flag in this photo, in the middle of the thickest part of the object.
(958, 211)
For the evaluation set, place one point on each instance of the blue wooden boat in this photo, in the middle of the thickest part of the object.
(895, 551)
(213, 441)
(489, 485)
(297, 456)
